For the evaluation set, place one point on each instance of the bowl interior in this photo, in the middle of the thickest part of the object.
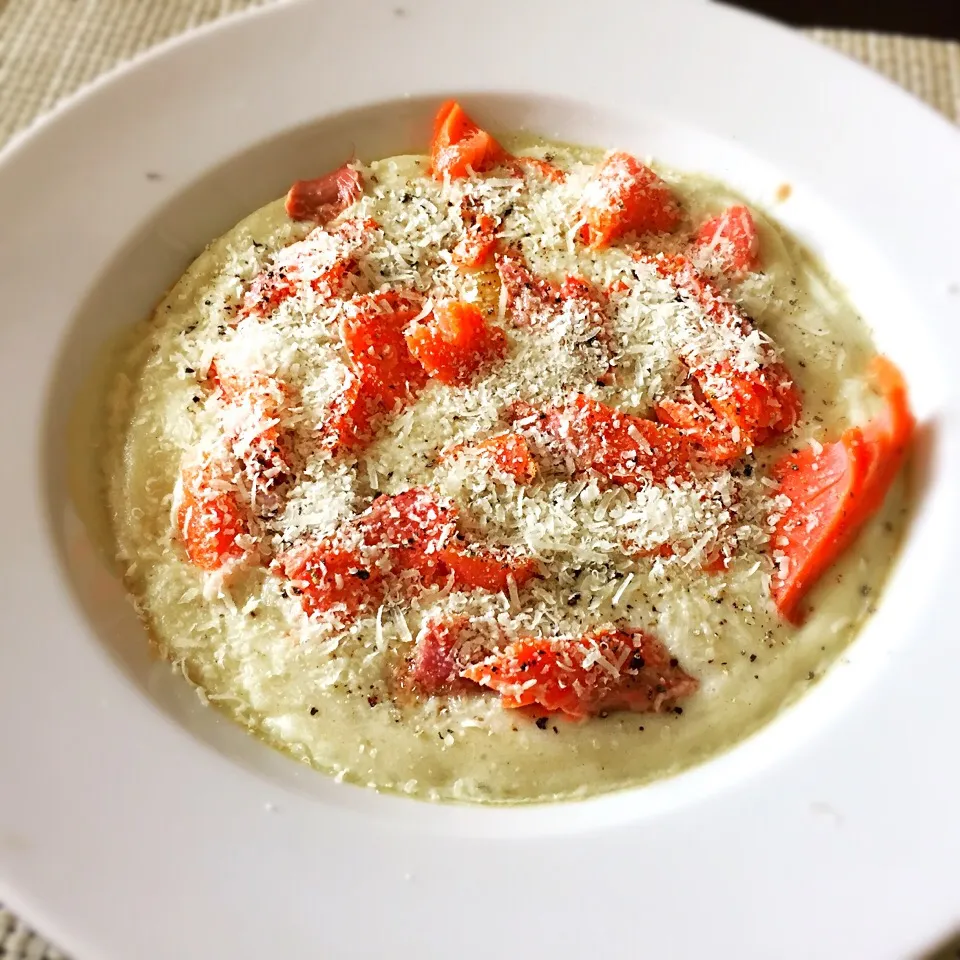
(149, 262)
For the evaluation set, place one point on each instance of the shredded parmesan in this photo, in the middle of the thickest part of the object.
(273, 314)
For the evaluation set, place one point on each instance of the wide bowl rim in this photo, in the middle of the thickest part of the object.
(13, 860)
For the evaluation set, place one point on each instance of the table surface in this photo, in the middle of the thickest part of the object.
(49, 48)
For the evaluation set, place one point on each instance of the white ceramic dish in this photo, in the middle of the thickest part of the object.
(135, 823)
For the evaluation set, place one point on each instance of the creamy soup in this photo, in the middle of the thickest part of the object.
(299, 616)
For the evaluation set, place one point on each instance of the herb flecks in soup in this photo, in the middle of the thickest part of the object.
(507, 472)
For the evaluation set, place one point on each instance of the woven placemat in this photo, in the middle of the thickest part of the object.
(49, 48)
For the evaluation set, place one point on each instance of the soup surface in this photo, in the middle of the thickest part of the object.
(471, 484)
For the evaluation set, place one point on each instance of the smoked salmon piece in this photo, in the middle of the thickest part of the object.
(694, 287)
(326, 197)
(330, 577)
(834, 489)
(411, 518)
(731, 240)
(253, 405)
(385, 376)
(209, 518)
(509, 453)
(373, 335)
(267, 291)
(625, 449)
(625, 197)
(411, 529)
(477, 247)
(486, 568)
(756, 403)
(459, 146)
(888, 435)
(608, 668)
(454, 341)
(549, 171)
(349, 571)
(349, 425)
(326, 262)
(700, 425)
(528, 296)
(759, 404)
(534, 301)
(823, 488)
(435, 668)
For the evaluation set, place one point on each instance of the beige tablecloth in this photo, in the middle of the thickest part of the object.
(49, 48)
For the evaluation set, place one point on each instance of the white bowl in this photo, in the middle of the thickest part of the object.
(135, 823)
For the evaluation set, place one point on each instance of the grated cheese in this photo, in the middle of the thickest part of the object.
(244, 637)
